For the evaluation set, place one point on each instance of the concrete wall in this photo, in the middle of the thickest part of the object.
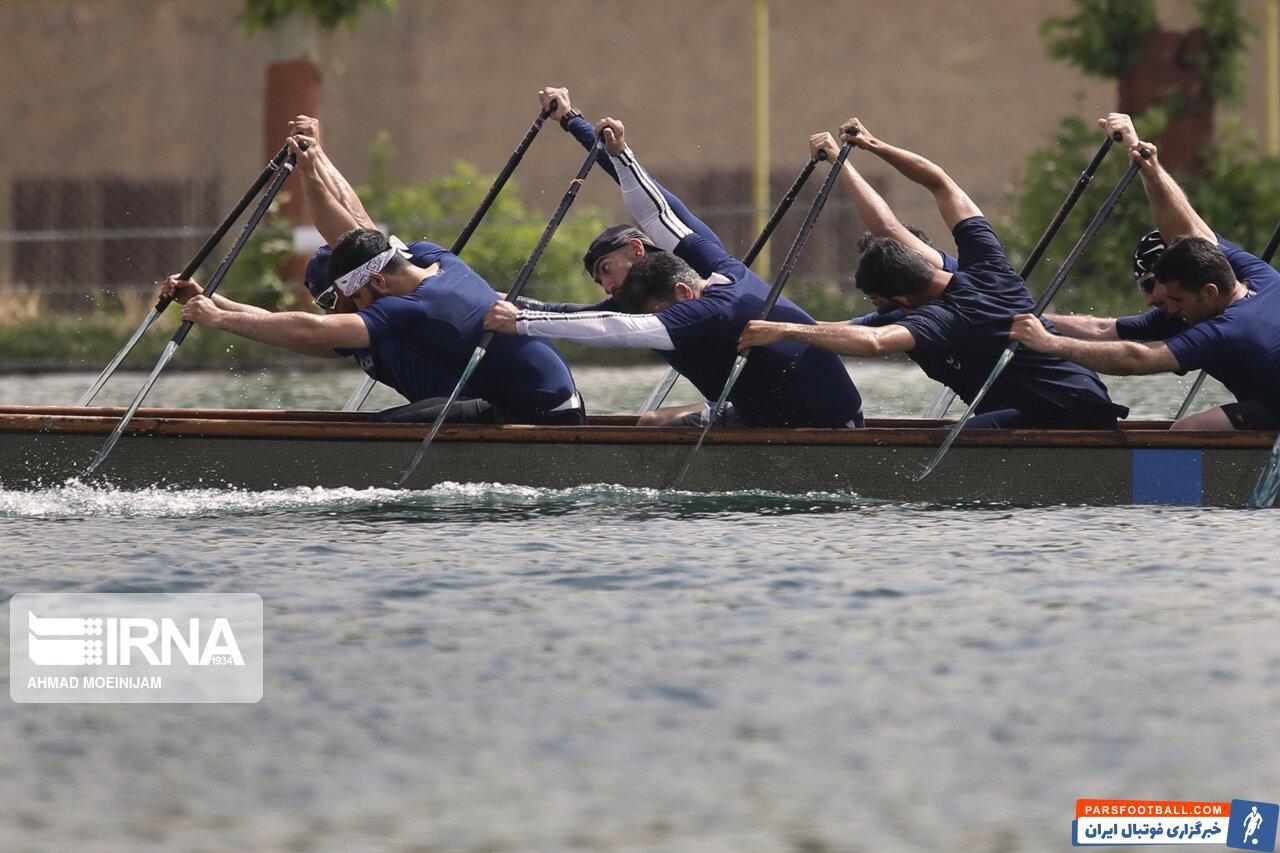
(171, 89)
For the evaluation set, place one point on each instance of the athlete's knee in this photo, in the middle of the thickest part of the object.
(1212, 420)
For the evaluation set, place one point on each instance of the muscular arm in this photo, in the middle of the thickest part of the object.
(1084, 328)
(842, 338)
(309, 334)
(1171, 210)
(334, 206)
(953, 203)
(1119, 358)
(879, 217)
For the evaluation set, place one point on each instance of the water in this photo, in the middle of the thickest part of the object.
(502, 668)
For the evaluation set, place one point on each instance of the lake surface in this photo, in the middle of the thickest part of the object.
(503, 668)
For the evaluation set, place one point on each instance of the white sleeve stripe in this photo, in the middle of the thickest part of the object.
(647, 204)
(597, 329)
(668, 216)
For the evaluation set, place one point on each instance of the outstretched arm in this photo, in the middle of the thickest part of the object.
(1084, 328)
(650, 208)
(953, 203)
(181, 289)
(875, 212)
(310, 334)
(585, 133)
(334, 206)
(839, 338)
(1171, 210)
(1118, 358)
(600, 329)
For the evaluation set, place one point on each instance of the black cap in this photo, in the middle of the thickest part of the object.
(316, 277)
(614, 237)
(1146, 253)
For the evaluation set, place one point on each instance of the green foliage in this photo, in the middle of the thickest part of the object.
(255, 276)
(1225, 26)
(1104, 37)
(438, 210)
(330, 14)
(1238, 195)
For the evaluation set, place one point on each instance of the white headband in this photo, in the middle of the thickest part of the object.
(359, 277)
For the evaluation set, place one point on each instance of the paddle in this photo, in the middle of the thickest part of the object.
(282, 174)
(797, 246)
(663, 388)
(357, 398)
(946, 396)
(1267, 254)
(187, 272)
(1059, 278)
(512, 293)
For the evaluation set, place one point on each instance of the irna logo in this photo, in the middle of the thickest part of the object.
(115, 641)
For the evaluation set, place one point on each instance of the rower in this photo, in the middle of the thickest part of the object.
(1231, 332)
(436, 309)
(1156, 323)
(393, 363)
(954, 325)
(683, 295)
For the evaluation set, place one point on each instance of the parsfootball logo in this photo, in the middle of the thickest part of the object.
(115, 641)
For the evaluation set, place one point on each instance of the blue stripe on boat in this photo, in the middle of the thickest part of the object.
(1168, 477)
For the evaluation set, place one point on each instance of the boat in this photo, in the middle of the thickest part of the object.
(257, 449)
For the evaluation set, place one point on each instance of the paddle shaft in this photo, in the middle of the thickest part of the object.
(1267, 254)
(188, 271)
(1055, 284)
(793, 255)
(946, 396)
(357, 398)
(663, 388)
(521, 279)
(210, 288)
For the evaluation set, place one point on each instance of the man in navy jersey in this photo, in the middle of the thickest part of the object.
(1232, 329)
(955, 324)
(437, 310)
(688, 299)
(393, 363)
(1172, 212)
(417, 317)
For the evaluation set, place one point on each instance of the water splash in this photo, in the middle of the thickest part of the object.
(76, 499)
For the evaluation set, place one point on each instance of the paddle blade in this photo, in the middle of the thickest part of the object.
(120, 356)
(1264, 493)
(660, 391)
(435, 427)
(1005, 358)
(169, 349)
(358, 396)
(716, 410)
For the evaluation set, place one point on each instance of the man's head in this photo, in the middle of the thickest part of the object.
(657, 281)
(1145, 255)
(365, 266)
(893, 274)
(1196, 277)
(611, 255)
(882, 305)
(316, 281)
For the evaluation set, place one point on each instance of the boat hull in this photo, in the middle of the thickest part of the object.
(40, 448)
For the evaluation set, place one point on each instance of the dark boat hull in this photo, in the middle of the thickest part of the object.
(260, 450)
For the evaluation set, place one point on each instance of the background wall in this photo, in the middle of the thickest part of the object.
(148, 115)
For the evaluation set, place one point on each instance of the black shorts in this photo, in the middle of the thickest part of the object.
(1250, 414)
